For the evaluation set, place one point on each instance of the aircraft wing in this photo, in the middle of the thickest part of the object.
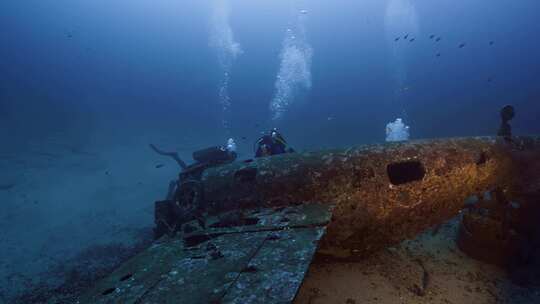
(261, 257)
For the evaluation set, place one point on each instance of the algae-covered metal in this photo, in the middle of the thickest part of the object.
(262, 262)
(382, 193)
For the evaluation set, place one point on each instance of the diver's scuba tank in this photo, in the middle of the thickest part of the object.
(217, 154)
(210, 155)
(276, 136)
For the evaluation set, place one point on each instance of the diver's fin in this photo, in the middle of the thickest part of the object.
(174, 155)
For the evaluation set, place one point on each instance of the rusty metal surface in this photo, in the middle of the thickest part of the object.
(372, 210)
(275, 273)
(260, 263)
(502, 228)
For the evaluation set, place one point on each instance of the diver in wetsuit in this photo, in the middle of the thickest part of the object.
(272, 143)
(210, 156)
(184, 196)
(505, 130)
(205, 158)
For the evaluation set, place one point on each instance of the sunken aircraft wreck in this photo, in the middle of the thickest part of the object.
(247, 231)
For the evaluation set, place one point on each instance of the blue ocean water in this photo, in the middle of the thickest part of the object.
(85, 86)
(151, 66)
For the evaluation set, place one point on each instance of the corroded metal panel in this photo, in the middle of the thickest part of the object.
(263, 262)
(134, 278)
(275, 273)
(206, 276)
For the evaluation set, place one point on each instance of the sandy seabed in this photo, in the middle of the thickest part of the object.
(59, 201)
(427, 269)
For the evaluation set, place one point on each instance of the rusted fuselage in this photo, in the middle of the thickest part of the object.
(382, 193)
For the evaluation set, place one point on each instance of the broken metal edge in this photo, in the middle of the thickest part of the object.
(162, 273)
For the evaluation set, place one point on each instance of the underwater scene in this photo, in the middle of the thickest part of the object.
(269, 151)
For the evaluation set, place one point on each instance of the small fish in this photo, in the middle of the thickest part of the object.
(491, 42)
(431, 36)
(462, 45)
(438, 55)
(406, 36)
(69, 34)
(490, 79)
(397, 39)
(6, 186)
(412, 39)
(438, 39)
(243, 138)
(159, 166)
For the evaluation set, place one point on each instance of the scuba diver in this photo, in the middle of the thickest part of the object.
(209, 156)
(205, 158)
(184, 195)
(272, 143)
(505, 130)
